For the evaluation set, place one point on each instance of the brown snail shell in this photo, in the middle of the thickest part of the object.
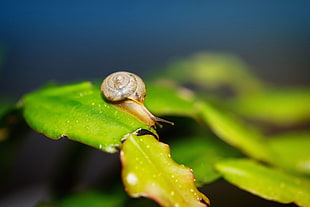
(127, 92)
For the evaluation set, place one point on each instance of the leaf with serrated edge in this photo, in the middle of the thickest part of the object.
(269, 183)
(149, 171)
(80, 113)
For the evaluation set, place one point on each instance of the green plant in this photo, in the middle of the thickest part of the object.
(210, 136)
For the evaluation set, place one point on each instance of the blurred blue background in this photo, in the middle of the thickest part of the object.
(83, 40)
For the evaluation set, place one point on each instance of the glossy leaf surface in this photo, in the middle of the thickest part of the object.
(149, 171)
(269, 183)
(80, 113)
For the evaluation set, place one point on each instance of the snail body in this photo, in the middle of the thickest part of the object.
(127, 92)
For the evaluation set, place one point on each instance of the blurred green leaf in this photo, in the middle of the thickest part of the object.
(5, 106)
(266, 182)
(166, 98)
(12, 128)
(170, 100)
(93, 199)
(89, 199)
(9, 117)
(235, 132)
(149, 171)
(80, 113)
(280, 106)
(201, 153)
(291, 150)
(213, 70)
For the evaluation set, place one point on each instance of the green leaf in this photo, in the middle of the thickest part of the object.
(5, 106)
(167, 99)
(173, 100)
(213, 70)
(235, 132)
(280, 106)
(9, 117)
(80, 113)
(149, 171)
(90, 199)
(291, 150)
(266, 182)
(93, 199)
(201, 153)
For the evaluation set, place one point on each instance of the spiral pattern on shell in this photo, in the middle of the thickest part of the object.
(120, 86)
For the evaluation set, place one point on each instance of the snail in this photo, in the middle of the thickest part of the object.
(127, 92)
